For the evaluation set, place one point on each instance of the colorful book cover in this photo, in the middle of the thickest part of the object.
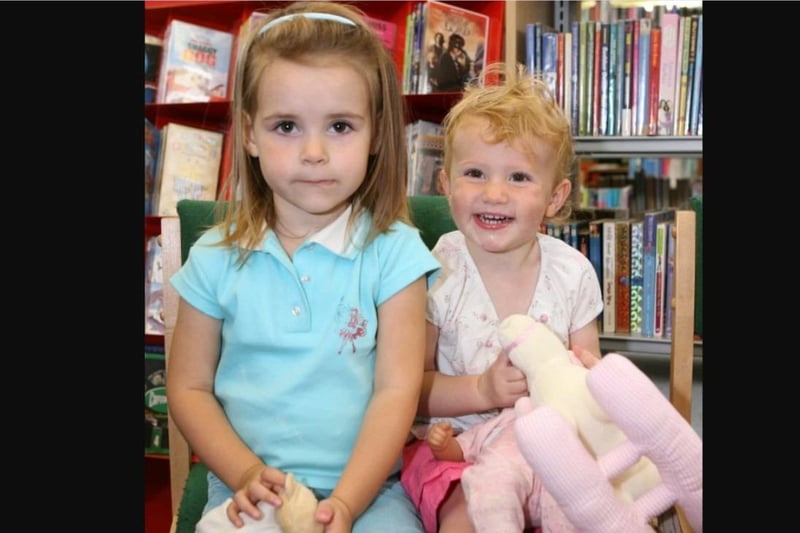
(466, 36)
(655, 73)
(678, 71)
(695, 26)
(195, 65)
(152, 144)
(622, 270)
(660, 279)
(651, 220)
(637, 270)
(612, 120)
(190, 166)
(609, 276)
(152, 61)
(667, 73)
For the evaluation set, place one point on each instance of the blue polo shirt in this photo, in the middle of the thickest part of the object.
(299, 336)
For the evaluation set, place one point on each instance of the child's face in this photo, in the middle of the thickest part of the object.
(312, 134)
(498, 196)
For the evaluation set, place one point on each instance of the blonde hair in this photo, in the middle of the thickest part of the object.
(383, 191)
(520, 109)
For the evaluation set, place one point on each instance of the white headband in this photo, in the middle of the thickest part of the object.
(315, 16)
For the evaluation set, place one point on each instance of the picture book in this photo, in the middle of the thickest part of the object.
(453, 47)
(152, 60)
(152, 141)
(195, 65)
(189, 166)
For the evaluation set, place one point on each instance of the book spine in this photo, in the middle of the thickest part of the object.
(609, 276)
(637, 270)
(667, 75)
(684, 84)
(670, 289)
(690, 74)
(585, 75)
(622, 273)
(634, 75)
(530, 66)
(612, 127)
(574, 99)
(596, 248)
(408, 51)
(694, 109)
(603, 91)
(597, 59)
(651, 220)
(643, 78)
(549, 59)
(560, 70)
(660, 279)
(655, 68)
(627, 73)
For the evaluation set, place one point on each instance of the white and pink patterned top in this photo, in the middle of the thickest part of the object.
(566, 298)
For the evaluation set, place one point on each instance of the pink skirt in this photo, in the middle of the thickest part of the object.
(428, 480)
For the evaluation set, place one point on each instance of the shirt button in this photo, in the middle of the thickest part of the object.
(305, 279)
(295, 311)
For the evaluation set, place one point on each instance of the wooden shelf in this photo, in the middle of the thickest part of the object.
(656, 146)
(639, 346)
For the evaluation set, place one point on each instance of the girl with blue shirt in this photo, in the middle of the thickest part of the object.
(277, 362)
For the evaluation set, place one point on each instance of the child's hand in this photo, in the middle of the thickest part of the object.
(335, 514)
(259, 483)
(586, 358)
(502, 384)
(439, 436)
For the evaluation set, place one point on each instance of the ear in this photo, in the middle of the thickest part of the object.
(249, 136)
(559, 196)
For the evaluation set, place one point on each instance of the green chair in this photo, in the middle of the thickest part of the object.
(188, 485)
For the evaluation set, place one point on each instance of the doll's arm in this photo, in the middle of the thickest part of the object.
(443, 443)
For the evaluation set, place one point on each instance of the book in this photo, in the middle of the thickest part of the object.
(152, 148)
(153, 288)
(573, 102)
(466, 36)
(668, 73)
(189, 166)
(643, 79)
(634, 75)
(152, 61)
(597, 60)
(655, 73)
(651, 219)
(670, 280)
(686, 33)
(694, 27)
(609, 276)
(386, 30)
(696, 92)
(156, 439)
(549, 61)
(603, 94)
(626, 116)
(584, 78)
(660, 278)
(636, 276)
(622, 271)
(425, 158)
(195, 65)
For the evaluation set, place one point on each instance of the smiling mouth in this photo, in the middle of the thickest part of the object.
(491, 220)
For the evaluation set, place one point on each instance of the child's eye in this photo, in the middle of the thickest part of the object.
(341, 127)
(286, 126)
(519, 177)
(473, 173)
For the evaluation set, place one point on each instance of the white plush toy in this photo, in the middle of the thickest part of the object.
(295, 515)
(555, 381)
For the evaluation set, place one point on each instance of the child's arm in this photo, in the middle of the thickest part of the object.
(443, 444)
(193, 359)
(587, 338)
(390, 414)
(501, 385)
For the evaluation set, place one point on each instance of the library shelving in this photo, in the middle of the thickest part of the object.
(507, 29)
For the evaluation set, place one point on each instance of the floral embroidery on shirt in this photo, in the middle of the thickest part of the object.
(356, 327)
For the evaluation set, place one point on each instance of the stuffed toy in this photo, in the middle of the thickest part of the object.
(605, 443)
(295, 515)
